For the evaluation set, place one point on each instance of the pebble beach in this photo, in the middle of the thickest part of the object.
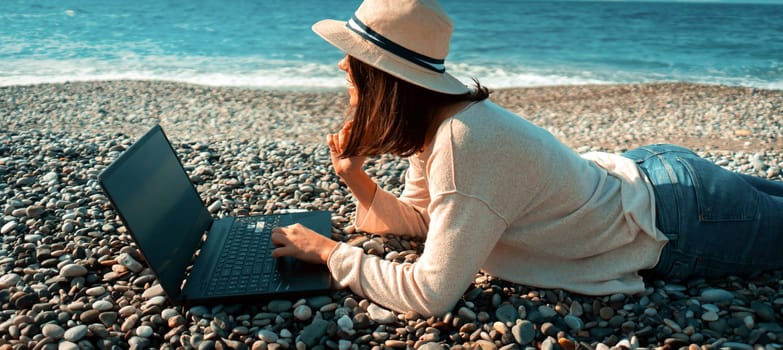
(72, 278)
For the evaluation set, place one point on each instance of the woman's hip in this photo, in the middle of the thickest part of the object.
(717, 223)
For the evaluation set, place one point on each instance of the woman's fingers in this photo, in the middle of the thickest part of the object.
(330, 142)
(278, 237)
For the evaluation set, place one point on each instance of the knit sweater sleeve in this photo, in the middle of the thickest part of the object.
(406, 215)
(462, 232)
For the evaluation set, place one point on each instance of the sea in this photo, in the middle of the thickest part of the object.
(503, 43)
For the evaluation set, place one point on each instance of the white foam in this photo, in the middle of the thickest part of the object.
(265, 73)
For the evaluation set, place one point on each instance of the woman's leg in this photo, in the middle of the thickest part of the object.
(774, 188)
(718, 223)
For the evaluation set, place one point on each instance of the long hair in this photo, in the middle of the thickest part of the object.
(394, 116)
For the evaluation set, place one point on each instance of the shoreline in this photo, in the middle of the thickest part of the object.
(703, 117)
(71, 277)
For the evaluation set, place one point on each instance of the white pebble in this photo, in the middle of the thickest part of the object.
(102, 305)
(73, 270)
(303, 313)
(144, 331)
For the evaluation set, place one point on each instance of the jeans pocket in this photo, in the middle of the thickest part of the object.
(721, 195)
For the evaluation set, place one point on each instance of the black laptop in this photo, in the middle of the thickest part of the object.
(166, 217)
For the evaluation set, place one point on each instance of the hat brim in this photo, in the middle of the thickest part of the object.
(336, 33)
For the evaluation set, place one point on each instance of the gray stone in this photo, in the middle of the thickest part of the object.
(547, 311)
(466, 313)
(144, 331)
(267, 335)
(757, 160)
(76, 333)
(199, 310)
(303, 312)
(709, 316)
(108, 318)
(773, 327)
(573, 322)
(279, 306)
(506, 313)
(313, 332)
(128, 261)
(764, 311)
(50, 177)
(215, 206)
(318, 301)
(715, 295)
(576, 309)
(736, 346)
(34, 211)
(524, 332)
(345, 323)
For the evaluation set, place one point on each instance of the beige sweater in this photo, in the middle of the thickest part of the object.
(494, 192)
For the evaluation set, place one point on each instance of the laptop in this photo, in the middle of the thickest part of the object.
(164, 214)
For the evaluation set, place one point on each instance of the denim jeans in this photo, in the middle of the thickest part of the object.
(718, 222)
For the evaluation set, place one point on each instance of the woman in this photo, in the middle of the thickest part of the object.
(491, 191)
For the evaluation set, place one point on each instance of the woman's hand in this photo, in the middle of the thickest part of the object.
(344, 167)
(302, 243)
(350, 169)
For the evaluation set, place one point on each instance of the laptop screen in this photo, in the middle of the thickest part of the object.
(158, 205)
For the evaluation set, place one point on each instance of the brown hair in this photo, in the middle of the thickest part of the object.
(393, 115)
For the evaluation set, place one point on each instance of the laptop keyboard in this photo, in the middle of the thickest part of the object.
(245, 263)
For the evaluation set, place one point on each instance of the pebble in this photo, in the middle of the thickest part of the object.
(95, 291)
(53, 331)
(67, 345)
(506, 313)
(144, 331)
(102, 305)
(523, 332)
(467, 313)
(715, 295)
(66, 260)
(279, 306)
(380, 315)
(709, 316)
(73, 270)
(76, 333)
(9, 280)
(573, 322)
(34, 211)
(345, 323)
(546, 311)
(267, 335)
(313, 332)
(128, 261)
(303, 312)
(8, 227)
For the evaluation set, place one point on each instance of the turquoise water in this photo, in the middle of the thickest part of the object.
(503, 43)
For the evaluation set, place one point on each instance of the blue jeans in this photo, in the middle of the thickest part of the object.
(718, 222)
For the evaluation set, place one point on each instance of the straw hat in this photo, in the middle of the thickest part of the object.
(408, 39)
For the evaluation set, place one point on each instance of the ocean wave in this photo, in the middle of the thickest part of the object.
(281, 74)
